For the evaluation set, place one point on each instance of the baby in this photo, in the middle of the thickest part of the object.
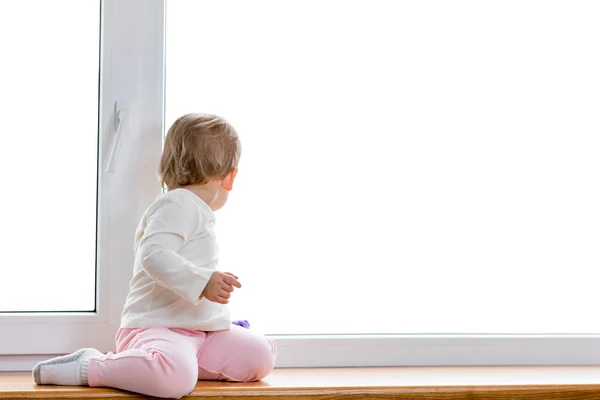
(175, 327)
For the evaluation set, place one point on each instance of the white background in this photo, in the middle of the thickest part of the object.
(414, 167)
(424, 167)
(49, 111)
(132, 75)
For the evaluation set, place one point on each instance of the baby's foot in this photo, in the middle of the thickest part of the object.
(69, 370)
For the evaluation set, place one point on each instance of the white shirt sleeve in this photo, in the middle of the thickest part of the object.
(168, 228)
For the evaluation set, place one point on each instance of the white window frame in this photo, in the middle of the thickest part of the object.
(133, 76)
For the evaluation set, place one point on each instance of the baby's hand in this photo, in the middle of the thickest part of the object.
(220, 286)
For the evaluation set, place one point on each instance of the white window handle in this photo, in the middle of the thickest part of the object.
(118, 129)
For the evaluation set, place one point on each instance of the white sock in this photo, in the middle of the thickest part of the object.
(69, 370)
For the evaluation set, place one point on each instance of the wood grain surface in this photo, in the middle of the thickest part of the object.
(426, 383)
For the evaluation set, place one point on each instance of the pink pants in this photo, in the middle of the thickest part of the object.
(167, 362)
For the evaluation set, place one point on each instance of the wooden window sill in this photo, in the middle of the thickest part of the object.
(422, 383)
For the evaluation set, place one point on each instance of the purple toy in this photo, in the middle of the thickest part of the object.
(242, 323)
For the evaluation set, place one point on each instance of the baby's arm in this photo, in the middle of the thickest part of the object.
(168, 227)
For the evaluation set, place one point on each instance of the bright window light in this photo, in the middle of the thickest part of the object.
(49, 100)
(407, 167)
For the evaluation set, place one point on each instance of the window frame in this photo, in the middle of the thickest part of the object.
(132, 75)
(436, 350)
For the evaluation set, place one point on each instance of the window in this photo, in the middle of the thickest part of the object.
(49, 206)
(408, 168)
(416, 186)
(417, 177)
(67, 78)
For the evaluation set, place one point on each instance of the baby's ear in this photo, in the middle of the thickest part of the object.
(229, 179)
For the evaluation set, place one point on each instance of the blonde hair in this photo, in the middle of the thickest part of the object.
(198, 148)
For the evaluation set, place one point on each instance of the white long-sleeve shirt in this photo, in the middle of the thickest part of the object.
(176, 253)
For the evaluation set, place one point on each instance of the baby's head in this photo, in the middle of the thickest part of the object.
(201, 153)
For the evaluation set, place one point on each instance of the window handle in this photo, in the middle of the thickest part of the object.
(118, 129)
